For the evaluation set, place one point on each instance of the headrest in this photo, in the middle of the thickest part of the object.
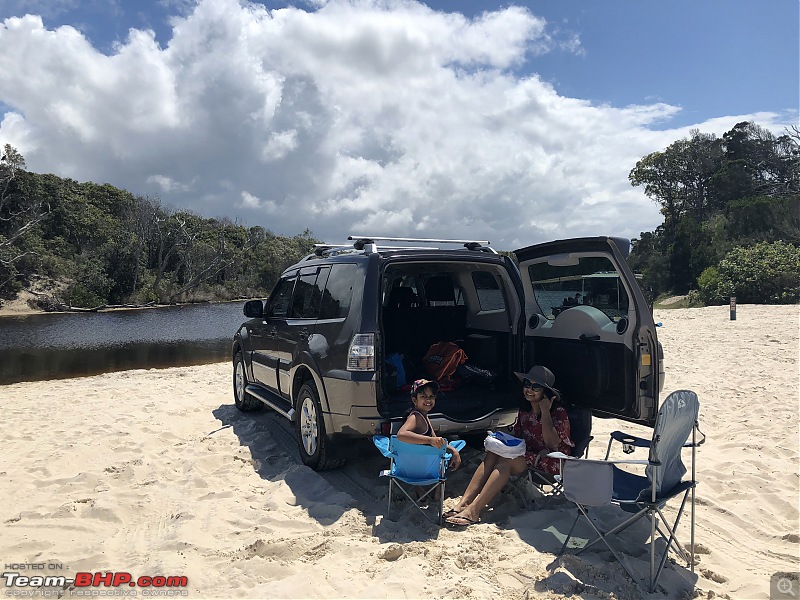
(402, 297)
(440, 289)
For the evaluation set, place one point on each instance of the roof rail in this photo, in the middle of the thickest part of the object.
(367, 245)
(479, 245)
(375, 238)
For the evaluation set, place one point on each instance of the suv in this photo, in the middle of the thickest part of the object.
(346, 329)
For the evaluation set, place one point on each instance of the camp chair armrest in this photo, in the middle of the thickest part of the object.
(626, 438)
(382, 444)
(562, 456)
(457, 444)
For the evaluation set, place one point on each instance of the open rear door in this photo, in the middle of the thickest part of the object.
(588, 322)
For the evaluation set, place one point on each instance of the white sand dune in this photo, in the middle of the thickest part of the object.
(154, 472)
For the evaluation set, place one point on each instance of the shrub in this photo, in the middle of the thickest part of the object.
(766, 273)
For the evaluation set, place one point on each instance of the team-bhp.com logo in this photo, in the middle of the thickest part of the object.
(88, 584)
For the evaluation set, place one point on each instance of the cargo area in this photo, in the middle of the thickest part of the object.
(451, 322)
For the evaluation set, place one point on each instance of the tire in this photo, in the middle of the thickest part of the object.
(244, 401)
(316, 450)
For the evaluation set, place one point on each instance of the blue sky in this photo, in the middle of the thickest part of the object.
(513, 122)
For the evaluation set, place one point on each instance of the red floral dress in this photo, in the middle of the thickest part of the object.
(529, 428)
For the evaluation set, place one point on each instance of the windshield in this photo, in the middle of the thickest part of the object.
(585, 281)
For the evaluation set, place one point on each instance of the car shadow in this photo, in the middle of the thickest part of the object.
(327, 495)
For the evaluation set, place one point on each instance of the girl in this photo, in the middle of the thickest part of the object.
(418, 429)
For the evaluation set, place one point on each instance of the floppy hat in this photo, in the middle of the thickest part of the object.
(422, 383)
(541, 375)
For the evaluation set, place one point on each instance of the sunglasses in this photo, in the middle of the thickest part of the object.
(528, 384)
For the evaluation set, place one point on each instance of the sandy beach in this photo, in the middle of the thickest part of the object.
(155, 473)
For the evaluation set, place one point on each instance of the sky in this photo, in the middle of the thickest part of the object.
(516, 123)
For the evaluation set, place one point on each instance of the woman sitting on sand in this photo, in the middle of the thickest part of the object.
(542, 425)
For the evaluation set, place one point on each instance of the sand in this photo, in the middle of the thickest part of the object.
(155, 472)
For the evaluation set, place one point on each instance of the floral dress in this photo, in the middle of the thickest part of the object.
(529, 428)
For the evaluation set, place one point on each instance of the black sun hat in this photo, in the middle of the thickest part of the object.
(541, 375)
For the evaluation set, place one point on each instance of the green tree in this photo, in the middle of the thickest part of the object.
(20, 213)
(716, 194)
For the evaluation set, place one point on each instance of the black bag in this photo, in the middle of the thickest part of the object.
(471, 374)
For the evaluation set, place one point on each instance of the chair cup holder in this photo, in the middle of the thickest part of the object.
(628, 444)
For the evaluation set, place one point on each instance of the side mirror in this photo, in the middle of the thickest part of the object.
(254, 309)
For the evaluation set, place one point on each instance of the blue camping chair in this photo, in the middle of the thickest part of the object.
(590, 483)
(415, 465)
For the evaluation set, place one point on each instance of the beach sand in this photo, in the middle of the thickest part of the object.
(155, 472)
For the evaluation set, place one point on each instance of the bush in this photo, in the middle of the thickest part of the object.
(708, 282)
(91, 287)
(765, 273)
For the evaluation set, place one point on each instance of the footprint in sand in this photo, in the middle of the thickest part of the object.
(393, 552)
(716, 577)
(701, 549)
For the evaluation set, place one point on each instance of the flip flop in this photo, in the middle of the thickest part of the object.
(466, 521)
(449, 513)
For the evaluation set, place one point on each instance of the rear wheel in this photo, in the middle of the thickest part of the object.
(315, 447)
(244, 401)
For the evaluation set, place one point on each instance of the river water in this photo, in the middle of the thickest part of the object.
(56, 346)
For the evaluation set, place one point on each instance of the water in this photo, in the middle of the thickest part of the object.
(53, 346)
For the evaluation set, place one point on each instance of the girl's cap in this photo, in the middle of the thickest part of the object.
(422, 383)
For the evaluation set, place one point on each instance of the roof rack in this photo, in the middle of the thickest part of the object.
(367, 245)
(421, 240)
(362, 240)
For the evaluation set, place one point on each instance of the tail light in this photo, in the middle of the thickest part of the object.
(361, 355)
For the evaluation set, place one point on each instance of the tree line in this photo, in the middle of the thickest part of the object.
(106, 246)
(731, 208)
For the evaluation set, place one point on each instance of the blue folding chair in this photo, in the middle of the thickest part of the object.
(590, 483)
(416, 465)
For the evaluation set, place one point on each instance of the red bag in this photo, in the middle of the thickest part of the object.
(443, 358)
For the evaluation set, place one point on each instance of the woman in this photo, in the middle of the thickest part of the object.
(544, 427)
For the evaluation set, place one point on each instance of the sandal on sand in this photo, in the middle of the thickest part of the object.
(449, 513)
(465, 521)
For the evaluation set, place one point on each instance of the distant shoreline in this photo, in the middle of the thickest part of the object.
(19, 307)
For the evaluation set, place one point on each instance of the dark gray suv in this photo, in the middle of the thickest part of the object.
(345, 331)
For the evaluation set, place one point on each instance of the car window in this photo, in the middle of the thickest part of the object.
(319, 290)
(489, 293)
(281, 296)
(303, 305)
(338, 292)
(400, 290)
(593, 281)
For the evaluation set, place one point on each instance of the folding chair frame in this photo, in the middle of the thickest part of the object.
(651, 509)
(430, 484)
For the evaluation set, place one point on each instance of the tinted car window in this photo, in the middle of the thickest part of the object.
(303, 304)
(319, 290)
(281, 296)
(338, 292)
(593, 281)
(489, 293)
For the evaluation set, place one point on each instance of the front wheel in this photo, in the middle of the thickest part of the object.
(244, 401)
(315, 447)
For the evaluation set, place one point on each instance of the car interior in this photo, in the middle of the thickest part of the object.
(470, 305)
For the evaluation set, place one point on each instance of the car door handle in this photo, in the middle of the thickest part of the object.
(304, 333)
(589, 338)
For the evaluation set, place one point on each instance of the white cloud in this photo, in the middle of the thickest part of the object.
(375, 117)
